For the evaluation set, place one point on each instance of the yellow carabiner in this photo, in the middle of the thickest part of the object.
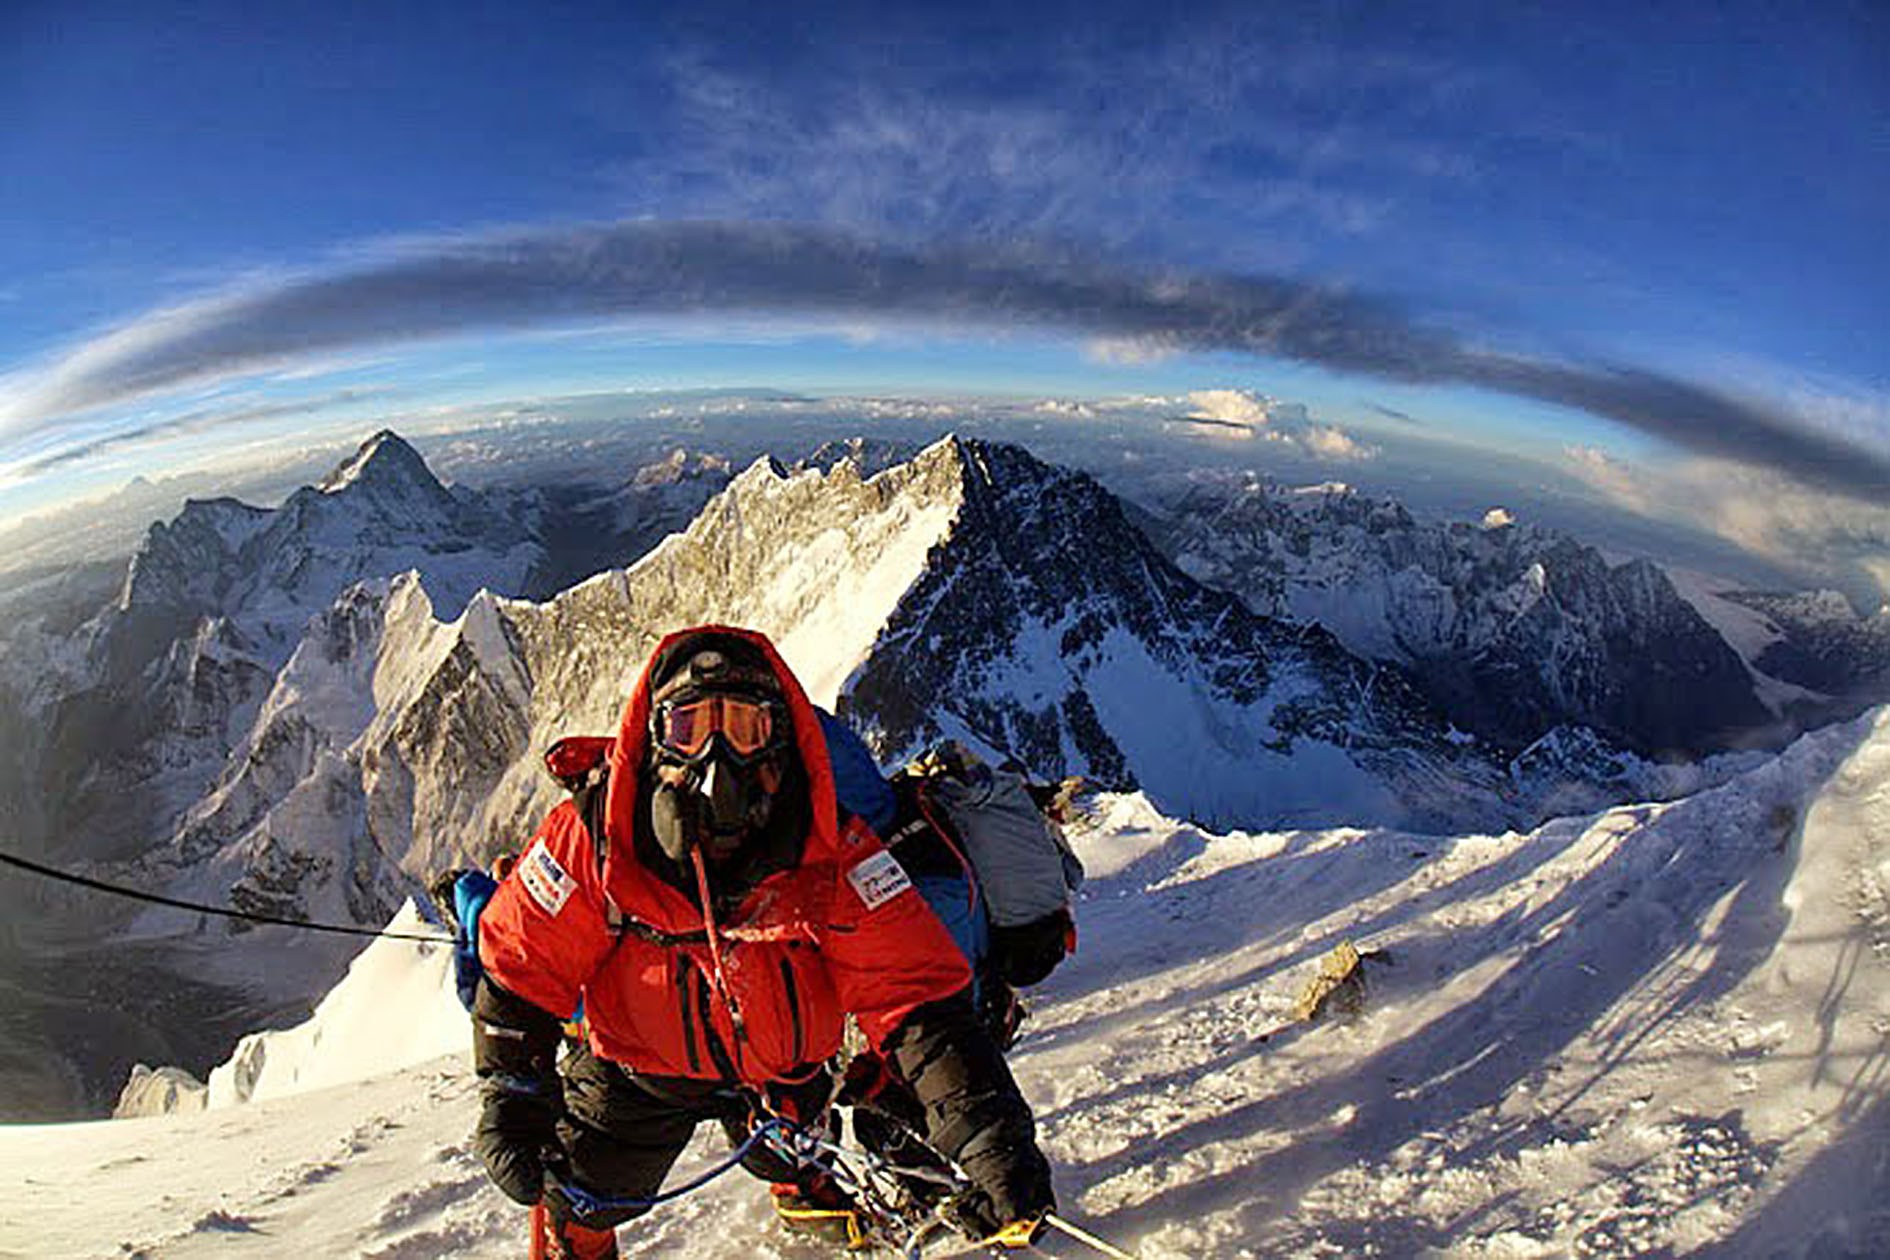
(1016, 1235)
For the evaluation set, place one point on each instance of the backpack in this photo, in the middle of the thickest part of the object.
(1002, 832)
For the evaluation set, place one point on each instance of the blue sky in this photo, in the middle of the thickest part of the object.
(1648, 232)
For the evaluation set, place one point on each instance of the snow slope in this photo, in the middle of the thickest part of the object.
(1660, 1029)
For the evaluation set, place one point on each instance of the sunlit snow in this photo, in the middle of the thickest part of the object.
(1657, 1029)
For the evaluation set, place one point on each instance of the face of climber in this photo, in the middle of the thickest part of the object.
(719, 737)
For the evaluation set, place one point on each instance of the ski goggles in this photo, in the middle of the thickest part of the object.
(685, 727)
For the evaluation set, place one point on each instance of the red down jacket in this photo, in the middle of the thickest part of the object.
(843, 931)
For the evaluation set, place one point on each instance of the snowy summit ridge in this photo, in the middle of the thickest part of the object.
(1656, 1029)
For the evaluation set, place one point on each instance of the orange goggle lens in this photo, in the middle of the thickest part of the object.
(746, 726)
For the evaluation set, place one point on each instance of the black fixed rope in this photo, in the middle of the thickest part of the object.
(138, 894)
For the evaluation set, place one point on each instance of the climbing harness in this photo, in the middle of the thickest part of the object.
(889, 1216)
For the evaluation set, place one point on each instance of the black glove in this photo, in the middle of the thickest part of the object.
(1009, 1183)
(517, 1124)
(1028, 952)
(515, 1049)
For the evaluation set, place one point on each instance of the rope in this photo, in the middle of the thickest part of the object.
(589, 1204)
(808, 1148)
(158, 899)
(1085, 1237)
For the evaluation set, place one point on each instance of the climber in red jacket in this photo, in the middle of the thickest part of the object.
(716, 935)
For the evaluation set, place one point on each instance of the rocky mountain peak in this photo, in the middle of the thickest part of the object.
(869, 455)
(1046, 627)
(383, 461)
(765, 471)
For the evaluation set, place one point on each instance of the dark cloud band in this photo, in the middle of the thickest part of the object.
(542, 278)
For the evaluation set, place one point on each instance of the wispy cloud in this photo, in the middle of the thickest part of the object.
(1836, 541)
(196, 421)
(547, 277)
(1391, 413)
(1247, 136)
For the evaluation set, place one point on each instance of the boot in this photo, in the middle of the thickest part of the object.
(819, 1209)
(553, 1239)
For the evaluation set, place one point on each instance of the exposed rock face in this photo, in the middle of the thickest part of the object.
(380, 512)
(159, 1092)
(190, 563)
(1048, 628)
(1512, 631)
(587, 532)
(869, 456)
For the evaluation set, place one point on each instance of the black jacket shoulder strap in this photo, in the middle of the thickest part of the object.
(589, 802)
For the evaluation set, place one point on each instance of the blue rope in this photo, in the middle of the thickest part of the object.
(589, 1203)
(792, 1141)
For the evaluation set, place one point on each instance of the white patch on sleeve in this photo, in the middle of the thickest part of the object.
(547, 882)
(878, 879)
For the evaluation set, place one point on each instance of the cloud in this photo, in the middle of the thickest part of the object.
(1825, 539)
(1065, 407)
(1242, 130)
(1206, 426)
(551, 277)
(1132, 351)
(1229, 406)
(1334, 445)
(200, 420)
(1391, 413)
(1242, 413)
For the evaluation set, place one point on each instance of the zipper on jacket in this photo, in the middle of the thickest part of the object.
(688, 1017)
(718, 1053)
(794, 1006)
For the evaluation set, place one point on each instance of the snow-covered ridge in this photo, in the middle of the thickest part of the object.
(268, 570)
(1656, 1029)
(351, 1036)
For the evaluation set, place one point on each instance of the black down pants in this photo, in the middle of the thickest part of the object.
(622, 1132)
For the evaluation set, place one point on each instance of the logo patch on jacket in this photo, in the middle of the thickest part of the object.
(545, 880)
(878, 879)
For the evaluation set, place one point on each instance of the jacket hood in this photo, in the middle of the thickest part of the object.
(632, 886)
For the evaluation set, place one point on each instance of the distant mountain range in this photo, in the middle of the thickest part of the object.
(307, 710)
(1821, 644)
(1510, 630)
